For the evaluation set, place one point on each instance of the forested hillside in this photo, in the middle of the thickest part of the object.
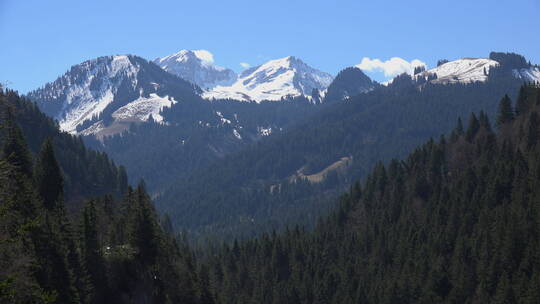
(110, 250)
(87, 173)
(263, 187)
(457, 221)
(197, 134)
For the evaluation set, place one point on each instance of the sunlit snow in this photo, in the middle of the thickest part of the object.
(464, 70)
(83, 102)
(143, 107)
(274, 80)
(529, 74)
(236, 134)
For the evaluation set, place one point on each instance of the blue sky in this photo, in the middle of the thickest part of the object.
(42, 39)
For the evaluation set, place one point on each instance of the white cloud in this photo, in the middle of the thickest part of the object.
(204, 55)
(245, 65)
(392, 67)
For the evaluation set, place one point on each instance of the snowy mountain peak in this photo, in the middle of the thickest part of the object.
(109, 89)
(289, 62)
(530, 74)
(465, 70)
(274, 80)
(85, 90)
(197, 67)
(186, 56)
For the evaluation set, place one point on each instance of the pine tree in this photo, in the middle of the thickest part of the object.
(92, 252)
(145, 236)
(48, 177)
(474, 126)
(53, 272)
(532, 133)
(522, 104)
(166, 224)
(484, 121)
(458, 130)
(122, 180)
(506, 113)
(15, 149)
(18, 213)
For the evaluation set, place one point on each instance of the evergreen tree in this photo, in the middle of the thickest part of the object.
(451, 223)
(18, 216)
(14, 148)
(53, 273)
(48, 177)
(532, 133)
(474, 126)
(145, 233)
(522, 104)
(122, 180)
(459, 129)
(484, 121)
(506, 113)
(92, 252)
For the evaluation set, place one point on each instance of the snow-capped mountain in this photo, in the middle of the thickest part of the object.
(464, 70)
(530, 74)
(469, 70)
(274, 80)
(196, 68)
(109, 93)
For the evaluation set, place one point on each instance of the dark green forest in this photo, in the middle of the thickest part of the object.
(85, 171)
(457, 221)
(250, 191)
(195, 137)
(109, 249)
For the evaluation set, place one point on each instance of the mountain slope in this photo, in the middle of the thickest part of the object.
(109, 250)
(464, 70)
(457, 221)
(274, 80)
(90, 93)
(193, 67)
(87, 173)
(197, 133)
(468, 70)
(349, 82)
(258, 188)
(530, 74)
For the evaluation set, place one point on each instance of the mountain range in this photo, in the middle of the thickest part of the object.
(103, 96)
(294, 176)
(274, 80)
(444, 204)
(195, 68)
(275, 126)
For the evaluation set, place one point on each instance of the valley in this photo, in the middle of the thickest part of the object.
(289, 152)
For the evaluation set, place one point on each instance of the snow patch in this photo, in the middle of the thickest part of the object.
(143, 107)
(223, 119)
(236, 134)
(264, 131)
(531, 74)
(464, 70)
(83, 101)
(93, 129)
(274, 80)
